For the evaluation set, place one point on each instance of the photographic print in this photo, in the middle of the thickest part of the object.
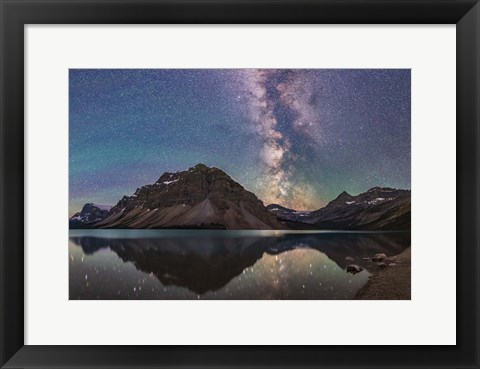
(239, 184)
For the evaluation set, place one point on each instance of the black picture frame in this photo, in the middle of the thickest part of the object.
(17, 13)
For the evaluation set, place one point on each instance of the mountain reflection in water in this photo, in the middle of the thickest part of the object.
(179, 264)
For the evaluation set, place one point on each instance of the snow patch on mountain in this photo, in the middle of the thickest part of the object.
(169, 182)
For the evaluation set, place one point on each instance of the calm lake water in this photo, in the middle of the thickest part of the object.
(205, 264)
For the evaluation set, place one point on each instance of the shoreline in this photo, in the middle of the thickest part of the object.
(391, 283)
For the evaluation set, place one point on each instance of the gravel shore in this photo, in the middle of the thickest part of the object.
(391, 283)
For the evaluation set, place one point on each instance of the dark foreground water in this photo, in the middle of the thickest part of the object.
(203, 264)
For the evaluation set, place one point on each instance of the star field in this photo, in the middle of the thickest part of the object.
(293, 137)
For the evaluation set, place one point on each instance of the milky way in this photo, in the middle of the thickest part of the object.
(293, 137)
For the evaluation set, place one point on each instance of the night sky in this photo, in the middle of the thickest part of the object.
(293, 137)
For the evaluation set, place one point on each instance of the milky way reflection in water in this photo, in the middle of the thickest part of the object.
(240, 265)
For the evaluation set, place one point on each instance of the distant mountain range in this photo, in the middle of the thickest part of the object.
(377, 209)
(207, 198)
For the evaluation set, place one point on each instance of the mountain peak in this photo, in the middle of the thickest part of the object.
(90, 214)
(200, 166)
(90, 206)
(344, 194)
(340, 199)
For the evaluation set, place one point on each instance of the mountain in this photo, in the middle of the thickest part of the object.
(377, 209)
(200, 197)
(90, 214)
(207, 198)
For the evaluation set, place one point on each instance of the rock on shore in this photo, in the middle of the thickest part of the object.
(390, 283)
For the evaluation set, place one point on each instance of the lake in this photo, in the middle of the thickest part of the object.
(225, 265)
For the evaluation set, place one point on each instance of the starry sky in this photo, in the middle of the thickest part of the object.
(296, 137)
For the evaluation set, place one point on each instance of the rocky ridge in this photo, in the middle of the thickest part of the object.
(200, 197)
